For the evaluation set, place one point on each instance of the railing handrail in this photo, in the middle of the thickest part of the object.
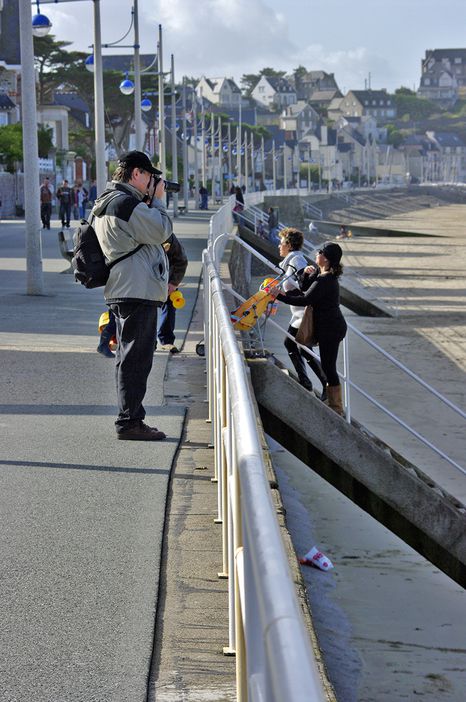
(313, 209)
(279, 656)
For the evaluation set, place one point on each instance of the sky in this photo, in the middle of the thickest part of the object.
(376, 42)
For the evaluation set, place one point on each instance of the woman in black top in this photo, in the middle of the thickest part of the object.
(322, 291)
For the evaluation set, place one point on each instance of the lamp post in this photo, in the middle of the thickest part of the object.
(34, 277)
(163, 157)
(99, 114)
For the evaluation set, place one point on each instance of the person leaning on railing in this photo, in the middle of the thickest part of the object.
(290, 244)
(321, 290)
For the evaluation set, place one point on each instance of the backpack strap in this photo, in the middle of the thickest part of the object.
(130, 253)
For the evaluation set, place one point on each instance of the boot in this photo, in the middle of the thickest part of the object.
(103, 347)
(298, 363)
(334, 399)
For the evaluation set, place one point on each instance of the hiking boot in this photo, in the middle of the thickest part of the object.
(141, 432)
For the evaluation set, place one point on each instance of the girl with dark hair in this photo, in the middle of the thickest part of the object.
(322, 292)
(290, 244)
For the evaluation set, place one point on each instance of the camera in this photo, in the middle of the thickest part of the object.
(170, 186)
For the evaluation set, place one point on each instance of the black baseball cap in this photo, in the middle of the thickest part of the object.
(138, 159)
(332, 252)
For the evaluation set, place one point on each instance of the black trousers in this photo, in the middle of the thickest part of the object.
(45, 213)
(329, 345)
(298, 357)
(136, 328)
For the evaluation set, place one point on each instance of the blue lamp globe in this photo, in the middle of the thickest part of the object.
(41, 25)
(127, 86)
(146, 105)
(89, 63)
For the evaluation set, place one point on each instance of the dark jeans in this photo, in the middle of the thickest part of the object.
(45, 214)
(329, 345)
(136, 325)
(297, 358)
(65, 213)
(166, 330)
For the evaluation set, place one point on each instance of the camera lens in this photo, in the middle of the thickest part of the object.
(172, 187)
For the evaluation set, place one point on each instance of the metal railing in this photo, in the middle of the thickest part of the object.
(274, 658)
(312, 210)
(349, 384)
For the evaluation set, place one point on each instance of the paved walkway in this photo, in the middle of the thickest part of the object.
(82, 516)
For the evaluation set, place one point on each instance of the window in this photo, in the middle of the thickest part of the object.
(3, 119)
(457, 59)
(426, 81)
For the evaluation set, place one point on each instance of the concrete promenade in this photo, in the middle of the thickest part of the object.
(83, 521)
(421, 282)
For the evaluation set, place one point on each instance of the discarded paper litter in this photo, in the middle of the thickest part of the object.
(316, 558)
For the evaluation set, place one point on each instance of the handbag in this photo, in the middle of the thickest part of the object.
(306, 333)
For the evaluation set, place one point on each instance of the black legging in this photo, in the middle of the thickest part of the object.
(296, 355)
(328, 345)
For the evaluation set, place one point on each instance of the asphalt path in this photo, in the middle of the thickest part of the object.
(81, 514)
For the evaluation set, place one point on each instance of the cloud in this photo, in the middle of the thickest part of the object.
(223, 37)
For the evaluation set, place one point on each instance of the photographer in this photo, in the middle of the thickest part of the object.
(130, 218)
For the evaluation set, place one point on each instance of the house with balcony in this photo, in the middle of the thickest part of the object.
(274, 93)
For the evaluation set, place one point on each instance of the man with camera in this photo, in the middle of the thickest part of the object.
(131, 219)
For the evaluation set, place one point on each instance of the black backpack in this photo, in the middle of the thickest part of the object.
(89, 264)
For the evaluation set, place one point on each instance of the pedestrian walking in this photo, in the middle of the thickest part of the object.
(65, 196)
(46, 196)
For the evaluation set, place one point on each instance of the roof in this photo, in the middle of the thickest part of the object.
(448, 139)
(324, 95)
(297, 108)
(280, 85)
(5, 102)
(439, 54)
(78, 107)
(367, 95)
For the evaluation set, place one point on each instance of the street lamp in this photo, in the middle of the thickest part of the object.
(35, 283)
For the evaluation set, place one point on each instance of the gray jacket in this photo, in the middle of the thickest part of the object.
(123, 222)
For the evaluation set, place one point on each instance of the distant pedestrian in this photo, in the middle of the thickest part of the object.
(273, 225)
(204, 193)
(80, 197)
(46, 197)
(92, 193)
(238, 207)
(65, 195)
